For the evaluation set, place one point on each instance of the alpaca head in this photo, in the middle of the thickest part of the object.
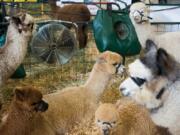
(110, 62)
(155, 62)
(24, 23)
(106, 118)
(150, 76)
(29, 99)
(139, 13)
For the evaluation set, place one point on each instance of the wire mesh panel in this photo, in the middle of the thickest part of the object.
(165, 17)
(55, 76)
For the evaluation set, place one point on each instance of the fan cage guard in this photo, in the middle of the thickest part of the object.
(54, 44)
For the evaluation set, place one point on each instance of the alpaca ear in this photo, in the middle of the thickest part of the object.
(16, 20)
(164, 62)
(19, 93)
(102, 57)
(19, 18)
(100, 60)
(150, 46)
(7, 18)
(22, 16)
(149, 54)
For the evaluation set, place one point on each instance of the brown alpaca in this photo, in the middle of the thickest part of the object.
(73, 13)
(126, 118)
(25, 114)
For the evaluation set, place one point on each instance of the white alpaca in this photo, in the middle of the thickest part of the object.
(170, 41)
(13, 52)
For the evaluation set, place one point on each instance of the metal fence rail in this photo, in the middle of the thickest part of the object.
(166, 27)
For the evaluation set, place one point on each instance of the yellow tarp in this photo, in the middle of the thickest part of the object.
(18, 0)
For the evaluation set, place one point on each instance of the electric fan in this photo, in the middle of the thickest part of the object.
(54, 43)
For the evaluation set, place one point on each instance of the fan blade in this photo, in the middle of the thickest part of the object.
(45, 54)
(52, 58)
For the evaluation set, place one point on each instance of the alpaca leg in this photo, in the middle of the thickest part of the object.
(82, 35)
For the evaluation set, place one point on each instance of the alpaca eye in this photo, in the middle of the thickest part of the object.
(115, 64)
(98, 121)
(29, 25)
(35, 103)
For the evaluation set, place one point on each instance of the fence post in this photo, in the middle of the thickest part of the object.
(42, 9)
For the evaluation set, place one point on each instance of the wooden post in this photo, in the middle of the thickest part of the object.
(42, 9)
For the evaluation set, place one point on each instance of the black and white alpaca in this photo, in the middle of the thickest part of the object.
(155, 83)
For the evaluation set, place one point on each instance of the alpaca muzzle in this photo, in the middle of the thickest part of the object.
(106, 131)
(106, 128)
(20, 28)
(120, 68)
(140, 17)
(42, 106)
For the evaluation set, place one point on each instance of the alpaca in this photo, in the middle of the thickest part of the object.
(139, 15)
(126, 118)
(25, 114)
(160, 90)
(74, 104)
(78, 13)
(13, 52)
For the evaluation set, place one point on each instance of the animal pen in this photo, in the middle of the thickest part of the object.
(50, 76)
(79, 61)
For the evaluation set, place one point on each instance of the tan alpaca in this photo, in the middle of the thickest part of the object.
(25, 114)
(13, 52)
(126, 118)
(73, 104)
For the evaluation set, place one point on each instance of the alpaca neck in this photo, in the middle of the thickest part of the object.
(144, 31)
(98, 80)
(17, 122)
(12, 34)
(12, 53)
(18, 112)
